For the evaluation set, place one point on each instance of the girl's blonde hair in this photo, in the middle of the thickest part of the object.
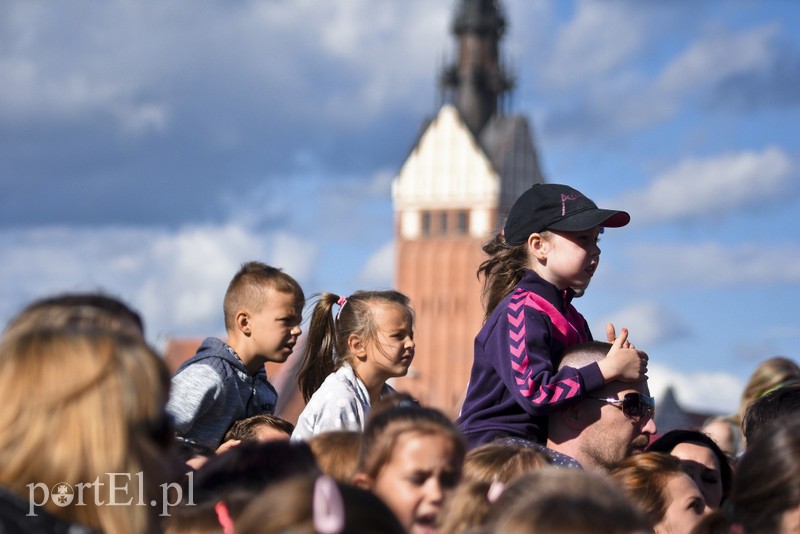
(326, 347)
(336, 452)
(502, 462)
(386, 425)
(466, 509)
(78, 406)
(564, 500)
(770, 374)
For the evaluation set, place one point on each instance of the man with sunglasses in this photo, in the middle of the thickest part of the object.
(601, 430)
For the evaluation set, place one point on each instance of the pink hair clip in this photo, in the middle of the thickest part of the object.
(495, 490)
(341, 302)
(328, 506)
(224, 517)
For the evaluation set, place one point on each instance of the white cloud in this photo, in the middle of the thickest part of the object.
(378, 272)
(716, 57)
(596, 42)
(689, 265)
(295, 255)
(134, 61)
(709, 188)
(705, 391)
(612, 58)
(649, 323)
(176, 279)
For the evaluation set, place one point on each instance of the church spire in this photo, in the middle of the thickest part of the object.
(476, 83)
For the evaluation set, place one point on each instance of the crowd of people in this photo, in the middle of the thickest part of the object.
(557, 431)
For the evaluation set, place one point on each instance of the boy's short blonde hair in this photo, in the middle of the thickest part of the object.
(248, 289)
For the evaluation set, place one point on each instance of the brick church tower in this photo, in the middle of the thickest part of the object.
(450, 196)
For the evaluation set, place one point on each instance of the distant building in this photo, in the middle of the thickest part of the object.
(670, 415)
(472, 160)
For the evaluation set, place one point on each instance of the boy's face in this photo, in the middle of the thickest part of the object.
(276, 327)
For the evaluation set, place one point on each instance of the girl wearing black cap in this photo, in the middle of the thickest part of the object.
(545, 254)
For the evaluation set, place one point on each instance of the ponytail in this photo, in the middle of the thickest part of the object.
(318, 352)
(502, 271)
(326, 347)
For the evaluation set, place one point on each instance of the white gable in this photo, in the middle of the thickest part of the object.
(446, 170)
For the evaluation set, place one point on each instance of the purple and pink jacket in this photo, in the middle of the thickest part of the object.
(514, 385)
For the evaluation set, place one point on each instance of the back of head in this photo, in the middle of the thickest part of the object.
(207, 517)
(765, 485)
(583, 354)
(386, 425)
(502, 462)
(726, 431)
(248, 429)
(770, 374)
(643, 477)
(251, 467)
(317, 504)
(249, 288)
(78, 405)
(326, 347)
(467, 507)
(783, 402)
(337, 453)
(565, 501)
(78, 310)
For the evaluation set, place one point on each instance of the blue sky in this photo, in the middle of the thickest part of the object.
(150, 147)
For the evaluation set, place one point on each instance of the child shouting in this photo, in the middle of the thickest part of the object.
(224, 382)
(546, 253)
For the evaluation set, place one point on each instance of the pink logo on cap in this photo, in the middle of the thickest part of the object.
(564, 198)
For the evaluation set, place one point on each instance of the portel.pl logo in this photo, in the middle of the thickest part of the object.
(119, 493)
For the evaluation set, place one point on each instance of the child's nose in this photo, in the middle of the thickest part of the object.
(434, 491)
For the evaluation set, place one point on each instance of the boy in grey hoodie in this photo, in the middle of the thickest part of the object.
(224, 382)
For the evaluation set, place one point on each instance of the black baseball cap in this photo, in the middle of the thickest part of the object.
(556, 207)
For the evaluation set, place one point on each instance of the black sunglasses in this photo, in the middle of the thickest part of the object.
(633, 405)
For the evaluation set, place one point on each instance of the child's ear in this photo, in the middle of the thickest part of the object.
(357, 346)
(538, 246)
(243, 322)
(363, 481)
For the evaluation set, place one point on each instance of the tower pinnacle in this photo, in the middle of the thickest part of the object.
(476, 83)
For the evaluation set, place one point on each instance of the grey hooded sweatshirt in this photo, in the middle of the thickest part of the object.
(212, 389)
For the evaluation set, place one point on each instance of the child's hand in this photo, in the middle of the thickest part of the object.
(231, 443)
(623, 362)
(611, 334)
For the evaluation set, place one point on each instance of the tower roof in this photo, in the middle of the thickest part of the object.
(477, 82)
(479, 16)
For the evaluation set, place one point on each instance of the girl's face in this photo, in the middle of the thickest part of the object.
(572, 258)
(686, 506)
(420, 473)
(701, 464)
(391, 352)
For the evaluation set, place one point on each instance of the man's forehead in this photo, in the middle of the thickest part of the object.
(619, 389)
